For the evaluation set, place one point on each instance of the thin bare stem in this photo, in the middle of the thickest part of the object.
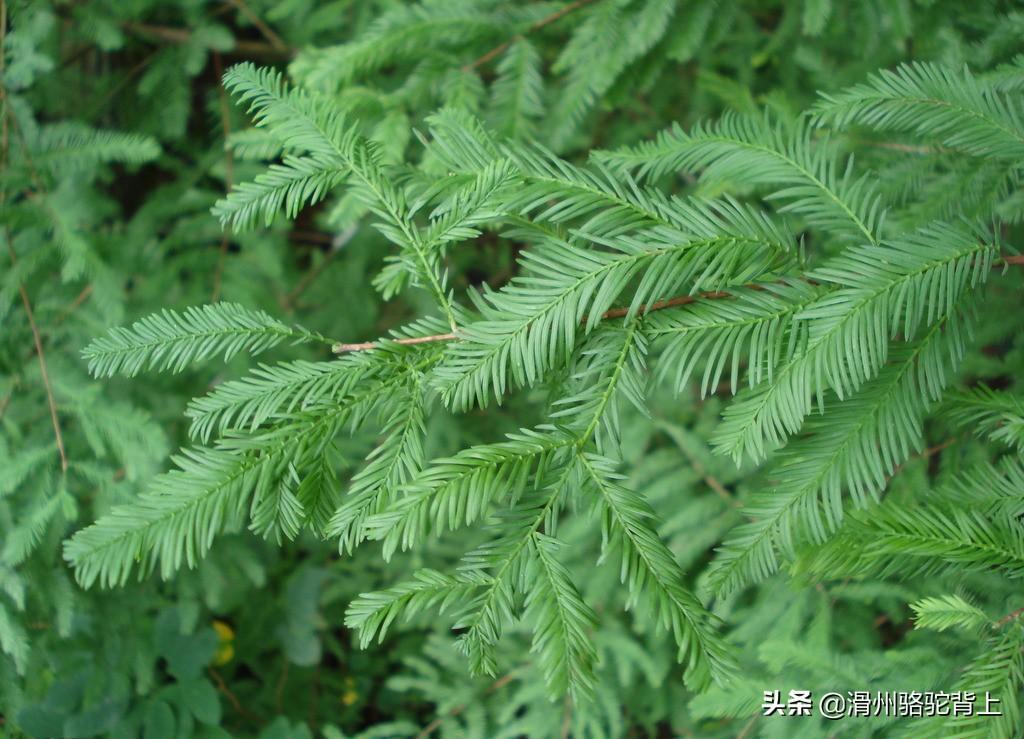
(546, 20)
(367, 345)
(43, 370)
(76, 303)
(307, 279)
(710, 480)
(282, 680)
(663, 304)
(113, 92)
(1009, 617)
(337, 244)
(224, 690)
(933, 450)
(747, 728)
(183, 36)
(268, 33)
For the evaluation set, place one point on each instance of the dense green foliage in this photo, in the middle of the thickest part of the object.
(537, 369)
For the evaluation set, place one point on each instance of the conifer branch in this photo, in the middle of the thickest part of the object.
(612, 313)
(342, 348)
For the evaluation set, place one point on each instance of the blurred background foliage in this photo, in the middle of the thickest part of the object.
(117, 140)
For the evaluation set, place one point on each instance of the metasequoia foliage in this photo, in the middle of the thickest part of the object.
(847, 349)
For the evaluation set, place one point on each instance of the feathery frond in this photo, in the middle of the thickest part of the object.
(947, 612)
(296, 182)
(394, 462)
(307, 122)
(880, 292)
(456, 491)
(801, 171)
(70, 147)
(517, 96)
(994, 487)
(653, 578)
(997, 672)
(174, 524)
(399, 35)
(999, 415)
(946, 105)
(269, 391)
(372, 613)
(562, 622)
(504, 562)
(851, 450)
(171, 341)
(758, 322)
(930, 539)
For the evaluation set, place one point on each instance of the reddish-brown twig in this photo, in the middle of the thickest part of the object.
(367, 345)
(76, 303)
(1009, 617)
(663, 304)
(43, 370)
(224, 690)
(337, 243)
(545, 21)
(183, 36)
(710, 480)
(268, 33)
